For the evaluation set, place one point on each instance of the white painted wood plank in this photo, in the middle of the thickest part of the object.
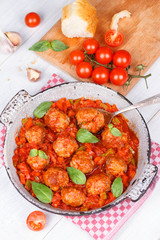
(140, 92)
(67, 230)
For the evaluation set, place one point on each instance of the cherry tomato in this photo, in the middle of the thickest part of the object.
(84, 69)
(76, 57)
(118, 76)
(36, 221)
(113, 38)
(32, 19)
(91, 45)
(100, 75)
(104, 55)
(122, 58)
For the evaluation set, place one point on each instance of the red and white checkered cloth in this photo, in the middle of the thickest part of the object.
(106, 224)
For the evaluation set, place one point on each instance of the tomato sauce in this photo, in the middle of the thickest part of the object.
(99, 152)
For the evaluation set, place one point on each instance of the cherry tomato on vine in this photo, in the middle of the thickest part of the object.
(76, 57)
(122, 58)
(113, 38)
(32, 19)
(118, 76)
(84, 69)
(91, 45)
(100, 75)
(36, 221)
(104, 55)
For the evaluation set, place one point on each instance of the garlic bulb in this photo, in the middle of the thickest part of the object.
(9, 42)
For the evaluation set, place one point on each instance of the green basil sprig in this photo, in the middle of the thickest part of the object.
(44, 45)
(84, 136)
(76, 175)
(42, 192)
(40, 153)
(117, 187)
(41, 110)
(114, 131)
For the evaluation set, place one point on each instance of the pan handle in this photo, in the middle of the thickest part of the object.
(9, 113)
(143, 183)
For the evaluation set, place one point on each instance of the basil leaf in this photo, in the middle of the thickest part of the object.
(58, 46)
(117, 187)
(41, 46)
(76, 175)
(42, 192)
(40, 111)
(115, 132)
(110, 126)
(83, 136)
(33, 152)
(42, 154)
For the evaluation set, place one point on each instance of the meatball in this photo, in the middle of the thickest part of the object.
(72, 196)
(115, 166)
(98, 183)
(65, 146)
(35, 134)
(111, 141)
(55, 178)
(37, 163)
(82, 161)
(90, 119)
(56, 120)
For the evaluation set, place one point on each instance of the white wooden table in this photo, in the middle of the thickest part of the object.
(14, 209)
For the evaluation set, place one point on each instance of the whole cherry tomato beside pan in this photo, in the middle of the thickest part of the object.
(32, 19)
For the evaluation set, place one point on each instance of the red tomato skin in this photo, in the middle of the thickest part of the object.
(76, 57)
(100, 75)
(32, 19)
(90, 45)
(122, 58)
(118, 76)
(36, 221)
(113, 38)
(84, 69)
(104, 55)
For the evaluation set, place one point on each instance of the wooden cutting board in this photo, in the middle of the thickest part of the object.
(141, 36)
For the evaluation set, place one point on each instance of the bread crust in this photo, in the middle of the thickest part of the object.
(85, 11)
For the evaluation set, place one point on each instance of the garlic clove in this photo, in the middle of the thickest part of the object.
(9, 42)
(33, 74)
(5, 45)
(14, 37)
